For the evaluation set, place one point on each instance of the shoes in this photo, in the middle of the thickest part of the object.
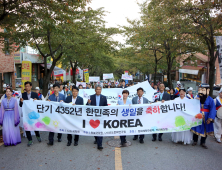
(135, 138)
(194, 144)
(123, 144)
(154, 139)
(69, 143)
(39, 139)
(50, 143)
(59, 140)
(76, 143)
(218, 140)
(141, 141)
(100, 147)
(95, 142)
(29, 143)
(160, 139)
(204, 146)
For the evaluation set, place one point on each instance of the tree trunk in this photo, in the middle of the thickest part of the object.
(47, 75)
(212, 70)
(169, 77)
(45, 83)
(73, 71)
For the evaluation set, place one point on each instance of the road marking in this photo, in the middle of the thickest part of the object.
(118, 159)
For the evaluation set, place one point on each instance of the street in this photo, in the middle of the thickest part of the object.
(163, 155)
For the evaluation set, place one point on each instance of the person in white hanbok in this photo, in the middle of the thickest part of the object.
(185, 136)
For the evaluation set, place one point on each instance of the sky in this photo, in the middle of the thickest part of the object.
(119, 11)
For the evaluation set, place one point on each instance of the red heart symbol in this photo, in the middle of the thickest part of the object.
(94, 124)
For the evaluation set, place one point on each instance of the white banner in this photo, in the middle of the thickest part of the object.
(127, 77)
(94, 79)
(219, 45)
(171, 116)
(108, 76)
(80, 83)
(114, 94)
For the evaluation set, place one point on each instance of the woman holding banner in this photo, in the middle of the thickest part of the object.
(186, 136)
(124, 101)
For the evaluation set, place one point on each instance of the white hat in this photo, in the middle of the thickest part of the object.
(37, 88)
(4, 85)
(65, 85)
(220, 90)
(167, 88)
(51, 85)
(190, 89)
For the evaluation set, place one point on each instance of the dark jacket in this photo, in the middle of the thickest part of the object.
(166, 97)
(172, 97)
(25, 97)
(103, 100)
(79, 100)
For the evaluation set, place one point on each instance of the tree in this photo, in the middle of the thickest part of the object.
(93, 45)
(201, 21)
(51, 28)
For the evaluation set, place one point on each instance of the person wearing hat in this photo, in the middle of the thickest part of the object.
(177, 94)
(56, 97)
(50, 92)
(208, 110)
(139, 99)
(74, 100)
(41, 97)
(190, 93)
(66, 90)
(218, 120)
(168, 90)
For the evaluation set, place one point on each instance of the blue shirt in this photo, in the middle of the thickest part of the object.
(128, 102)
(97, 100)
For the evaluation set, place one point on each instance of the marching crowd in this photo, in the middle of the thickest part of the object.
(211, 124)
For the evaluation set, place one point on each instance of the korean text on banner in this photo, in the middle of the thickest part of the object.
(26, 73)
(170, 116)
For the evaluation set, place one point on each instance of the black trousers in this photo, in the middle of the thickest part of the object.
(202, 139)
(141, 136)
(99, 140)
(123, 139)
(159, 135)
(69, 138)
(29, 136)
(51, 136)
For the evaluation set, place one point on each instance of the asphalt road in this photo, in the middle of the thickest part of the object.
(163, 155)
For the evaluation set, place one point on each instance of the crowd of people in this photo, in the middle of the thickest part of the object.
(212, 124)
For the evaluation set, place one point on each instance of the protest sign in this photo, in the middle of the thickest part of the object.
(59, 117)
(108, 76)
(94, 79)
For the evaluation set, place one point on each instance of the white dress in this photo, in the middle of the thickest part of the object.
(185, 136)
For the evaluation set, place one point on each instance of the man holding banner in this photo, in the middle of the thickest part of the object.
(162, 96)
(98, 100)
(28, 95)
(56, 97)
(140, 100)
(74, 100)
